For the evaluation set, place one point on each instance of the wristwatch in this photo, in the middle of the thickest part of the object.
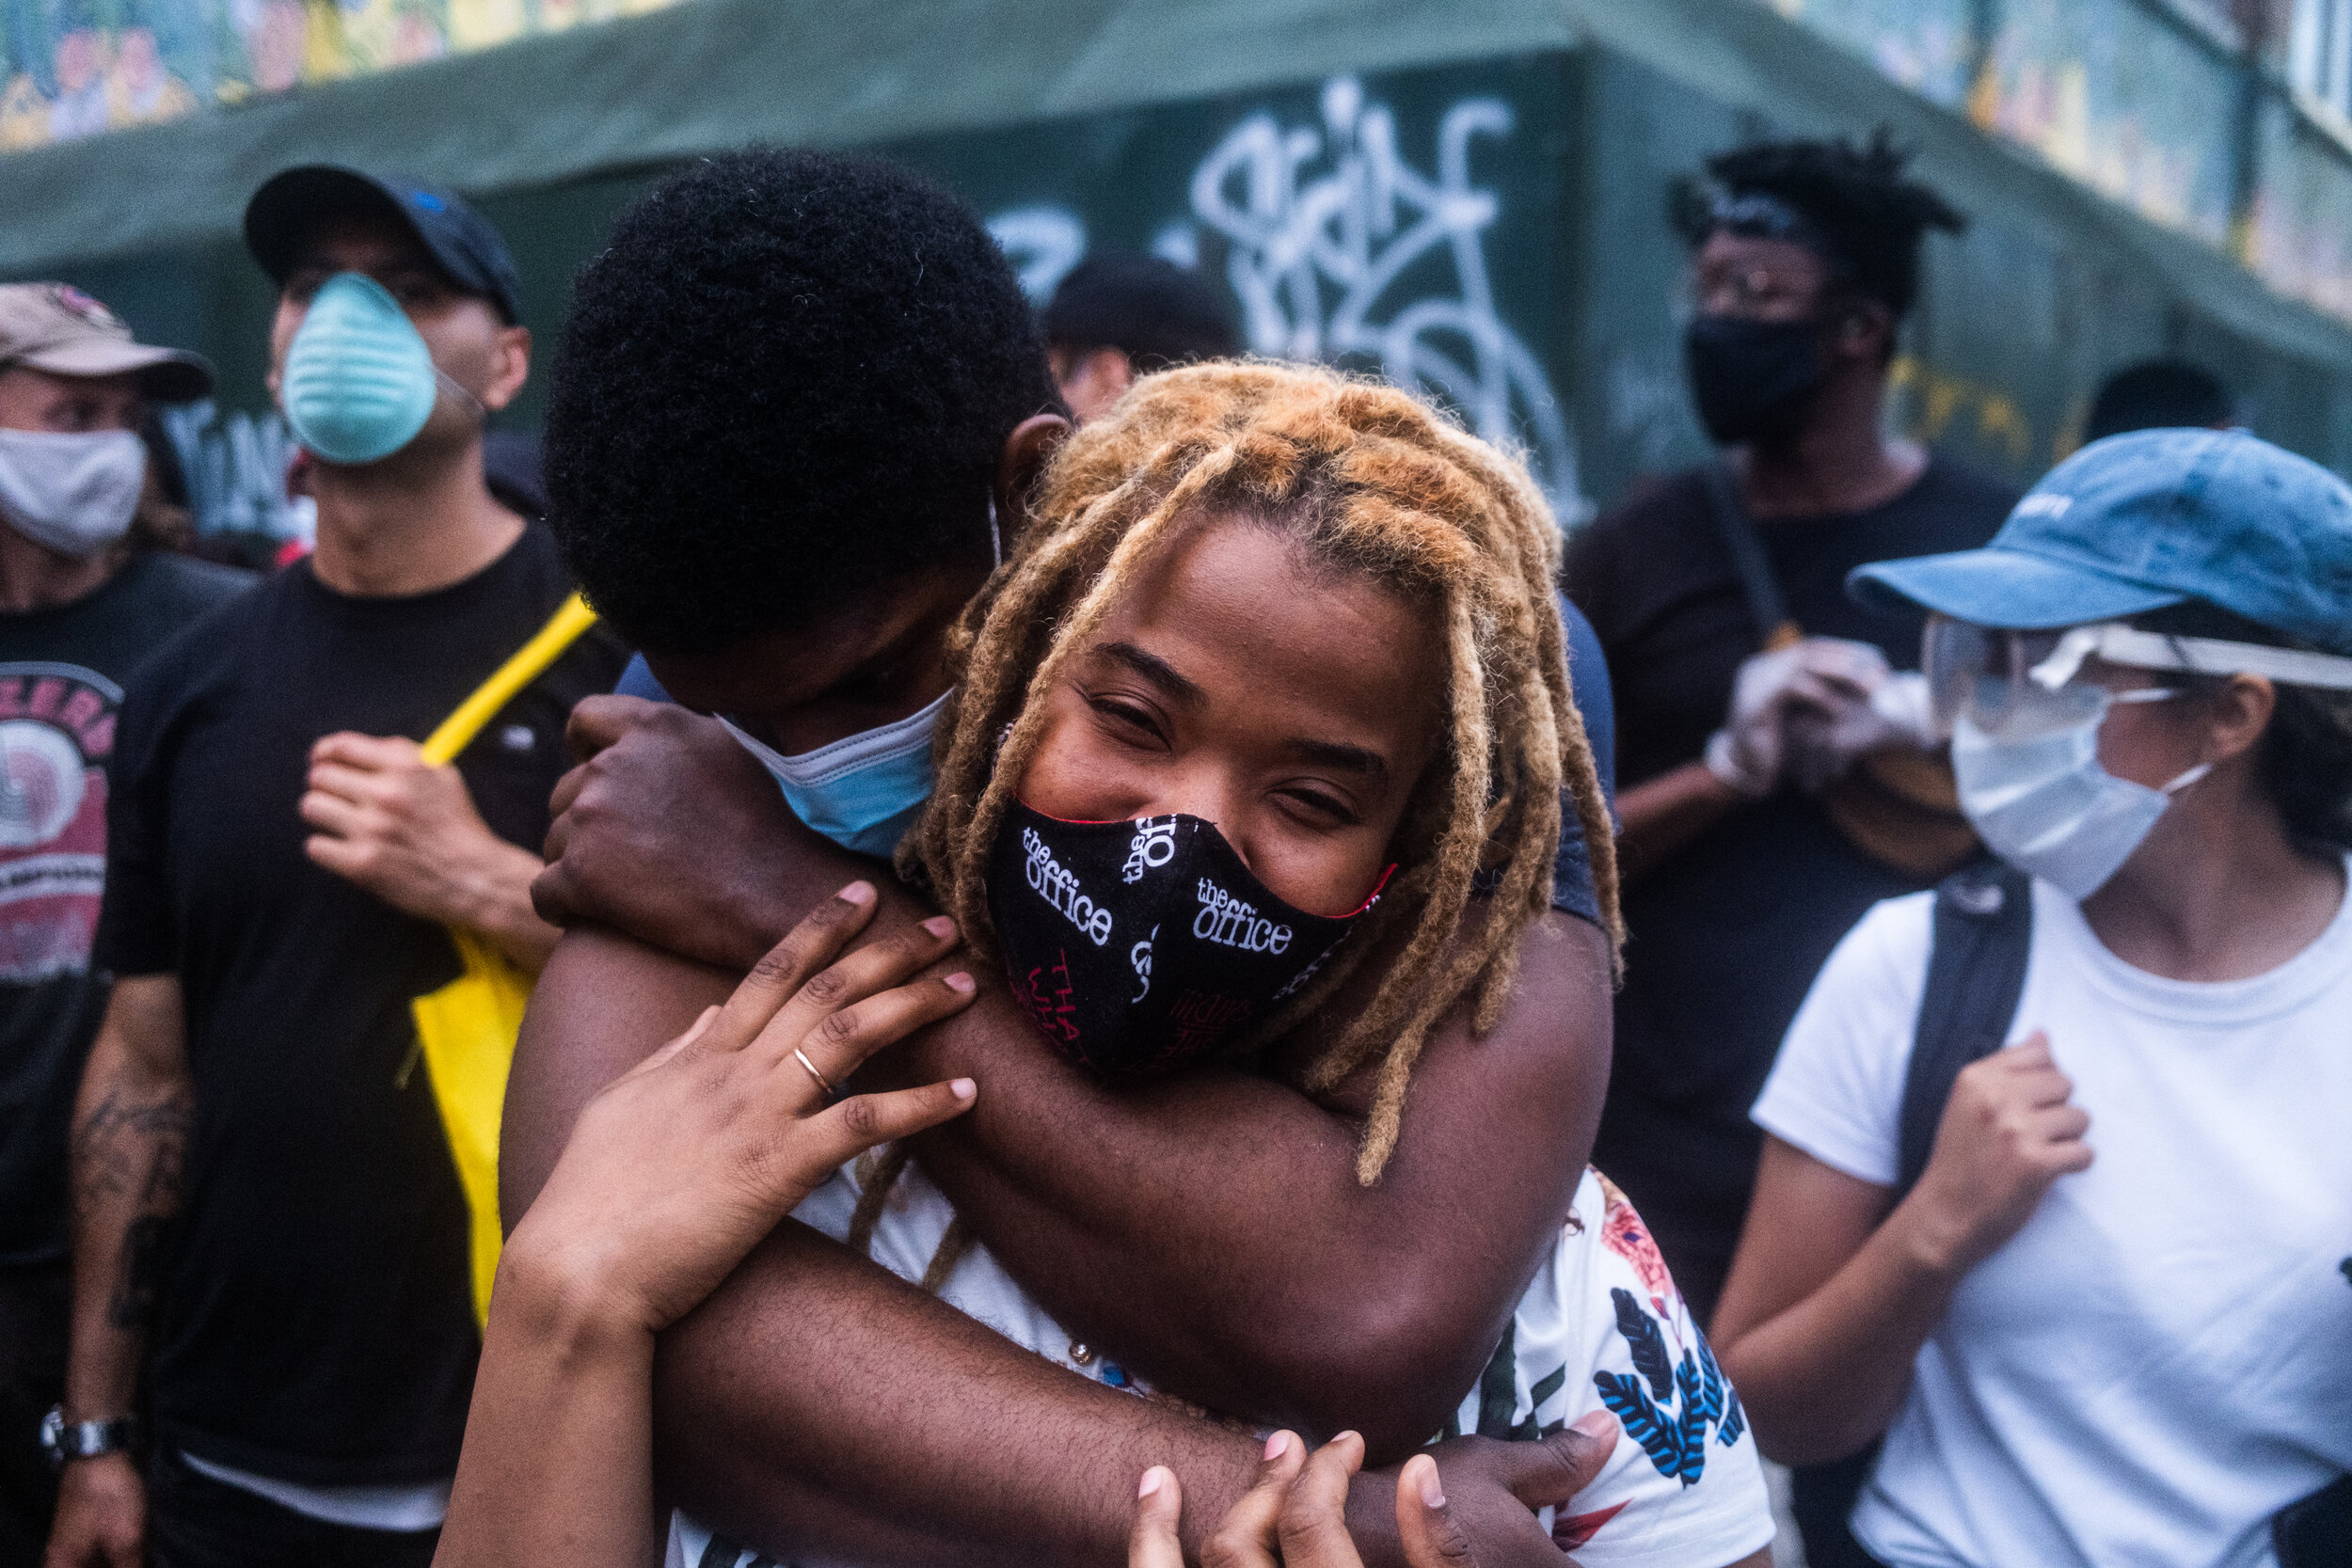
(61, 1439)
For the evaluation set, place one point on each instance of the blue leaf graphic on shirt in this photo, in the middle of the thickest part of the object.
(1722, 1399)
(1667, 1406)
(1698, 1408)
(1647, 1344)
(1660, 1433)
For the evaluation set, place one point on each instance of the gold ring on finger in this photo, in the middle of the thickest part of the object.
(822, 1081)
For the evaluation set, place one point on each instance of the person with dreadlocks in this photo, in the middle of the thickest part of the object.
(1270, 701)
(1775, 770)
(795, 561)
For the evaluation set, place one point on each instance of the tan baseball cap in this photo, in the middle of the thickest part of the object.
(59, 329)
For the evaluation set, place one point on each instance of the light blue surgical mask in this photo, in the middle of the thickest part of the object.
(864, 790)
(359, 382)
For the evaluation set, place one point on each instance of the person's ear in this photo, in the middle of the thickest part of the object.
(1864, 329)
(2236, 715)
(1019, 466)
(1113, 370)
(510, 367)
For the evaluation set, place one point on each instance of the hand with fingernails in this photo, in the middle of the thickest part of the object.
(2008, 1132)
(672, 1175)
(1296, 1512)
(678, 1168)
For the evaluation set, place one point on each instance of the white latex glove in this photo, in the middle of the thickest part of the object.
(1823, 741)
(1817, 676)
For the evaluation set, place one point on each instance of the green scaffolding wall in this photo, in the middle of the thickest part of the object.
(1416, 197)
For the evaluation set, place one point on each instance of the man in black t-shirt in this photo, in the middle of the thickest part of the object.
(265, 1186)
(77, 610)
(1777, 777)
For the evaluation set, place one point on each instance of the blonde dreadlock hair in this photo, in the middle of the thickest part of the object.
(1369, 479)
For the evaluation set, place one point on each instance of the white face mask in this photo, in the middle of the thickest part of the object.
(74, 494)
(2034, 791)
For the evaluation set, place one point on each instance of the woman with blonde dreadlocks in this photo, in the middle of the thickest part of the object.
(1270, 700)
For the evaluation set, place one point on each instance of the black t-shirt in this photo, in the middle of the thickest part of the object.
(61, 677)
(1725, 936)
(314, 1322)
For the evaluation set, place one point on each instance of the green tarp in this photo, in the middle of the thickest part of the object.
(713, 74)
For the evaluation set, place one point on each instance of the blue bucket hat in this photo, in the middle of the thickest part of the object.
(2146, 520)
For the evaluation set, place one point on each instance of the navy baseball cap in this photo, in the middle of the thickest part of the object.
(458, 238)
(2146, 520)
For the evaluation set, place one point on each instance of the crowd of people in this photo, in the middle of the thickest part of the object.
(956, 933)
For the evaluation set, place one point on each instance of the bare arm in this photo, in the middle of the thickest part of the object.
(1210, 1230)
(1835, 1286)
(803, 1404)
(131, 1128)
(816, 1403)
(1664, 814)
(1819, 1278)
(674, 1173)
(1276, 1287)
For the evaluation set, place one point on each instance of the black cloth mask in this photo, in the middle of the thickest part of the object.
(1750, 378)
(1137, 946)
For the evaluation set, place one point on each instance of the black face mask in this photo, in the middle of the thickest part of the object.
(1750, 378)
(1137, 946)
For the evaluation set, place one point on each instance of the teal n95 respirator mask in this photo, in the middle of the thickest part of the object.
(864, 790)
(359, 382)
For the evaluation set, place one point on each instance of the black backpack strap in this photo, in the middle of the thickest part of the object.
(1754, 568)
(1976, 974)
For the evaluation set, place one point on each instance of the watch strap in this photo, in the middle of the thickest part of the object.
(69, 1440)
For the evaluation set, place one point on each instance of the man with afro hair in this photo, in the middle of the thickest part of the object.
(797, 408)
(1779, 776)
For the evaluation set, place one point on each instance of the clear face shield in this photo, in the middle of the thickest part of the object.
(2025, 716)
(2002, 679)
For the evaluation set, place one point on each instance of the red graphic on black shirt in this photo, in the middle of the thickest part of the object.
(57, 727)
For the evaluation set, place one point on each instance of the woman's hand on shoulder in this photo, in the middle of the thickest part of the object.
(678, 1169)
(2009, 1130)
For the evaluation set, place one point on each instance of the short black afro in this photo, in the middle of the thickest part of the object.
(1865, 214)
(785, 381)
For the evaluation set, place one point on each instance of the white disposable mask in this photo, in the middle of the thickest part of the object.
(73, 493)
(2034, 791)
(864, 790)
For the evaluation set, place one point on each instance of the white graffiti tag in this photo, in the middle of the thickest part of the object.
(1323, 229)
(1043, 243)
(1322, 224)
(235, 469)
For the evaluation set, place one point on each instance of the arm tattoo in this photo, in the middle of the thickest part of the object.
(134, 1152)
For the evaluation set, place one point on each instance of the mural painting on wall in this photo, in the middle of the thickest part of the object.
(2135, 101)
(1327, 229)
(76, 68)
